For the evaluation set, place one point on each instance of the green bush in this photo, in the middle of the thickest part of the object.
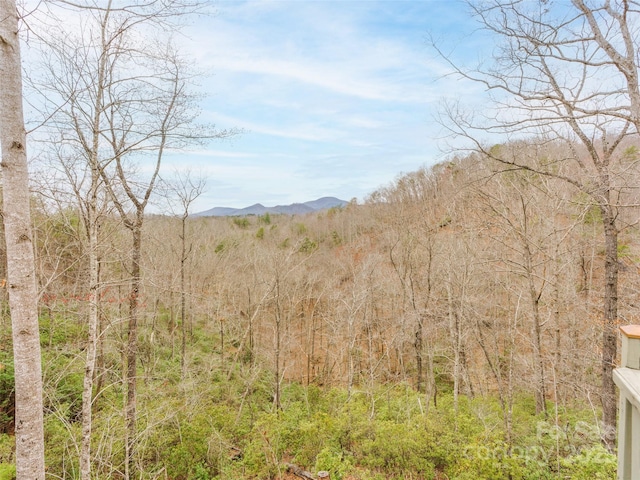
(6, 391)
(7, 471)
(307, 246)
(334, 461)
(61, 437)
(266, 219)
(497, 460)
(63, 380)
(398, 449)
(594, 463)
(241, 222)
(7, 447)
(61, 331)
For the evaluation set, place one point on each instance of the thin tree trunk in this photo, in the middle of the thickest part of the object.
(431, 388)
(132, 352)
(454, 332)
(534, 297)
(100, 365)
(222, 365)
(172, 324)
(418, 344)
(183, 298)
(278, 324)
(557, 373)
(90, 362)
(21, 283)
(311, 342)
(92, 227)
(609, 333)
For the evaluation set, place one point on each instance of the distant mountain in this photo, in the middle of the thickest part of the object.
(323, 203)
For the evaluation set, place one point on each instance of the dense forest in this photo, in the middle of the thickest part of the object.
(449, 327)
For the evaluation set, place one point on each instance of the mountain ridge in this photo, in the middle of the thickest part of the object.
(323, 203)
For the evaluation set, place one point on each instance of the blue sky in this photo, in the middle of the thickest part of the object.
(337, 98)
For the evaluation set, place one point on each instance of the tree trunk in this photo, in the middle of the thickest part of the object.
(454, 333)
(183, 297)
(132, 351)
(418, 350)
(92, 226)
(277, 340)
(21, 283)
(609, 332)
(90, 362)
(538, 358)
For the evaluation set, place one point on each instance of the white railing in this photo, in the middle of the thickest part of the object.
(627, 378)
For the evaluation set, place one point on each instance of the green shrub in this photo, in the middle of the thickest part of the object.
(594, 463)
(242, 222)
(61, 438)
(307, 246)
(266, 219)
(60, 330)
(6, 391)
(334, 461)
(497, 460)
(399, 449)
(7, 471)
(63, 382)
(7, 447)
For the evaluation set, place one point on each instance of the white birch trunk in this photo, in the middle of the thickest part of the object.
(90, 362)
(21, 281)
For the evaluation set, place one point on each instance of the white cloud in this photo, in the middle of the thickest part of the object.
(221, 153)
(335, 96)
(325, 44)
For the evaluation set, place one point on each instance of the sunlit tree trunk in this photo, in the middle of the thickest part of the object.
(92, 338)
(21, 281)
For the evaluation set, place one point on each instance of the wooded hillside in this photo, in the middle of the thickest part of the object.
(462, 300)
(462, 322)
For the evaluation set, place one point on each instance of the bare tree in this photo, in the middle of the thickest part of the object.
(608, 30)
(89, 208)
(120, 98)
(21, 281)
(413, 256)
(78, 161)
(284, 284)
(558, 76)
(155, 129)
(187, 188)
(516, 205)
